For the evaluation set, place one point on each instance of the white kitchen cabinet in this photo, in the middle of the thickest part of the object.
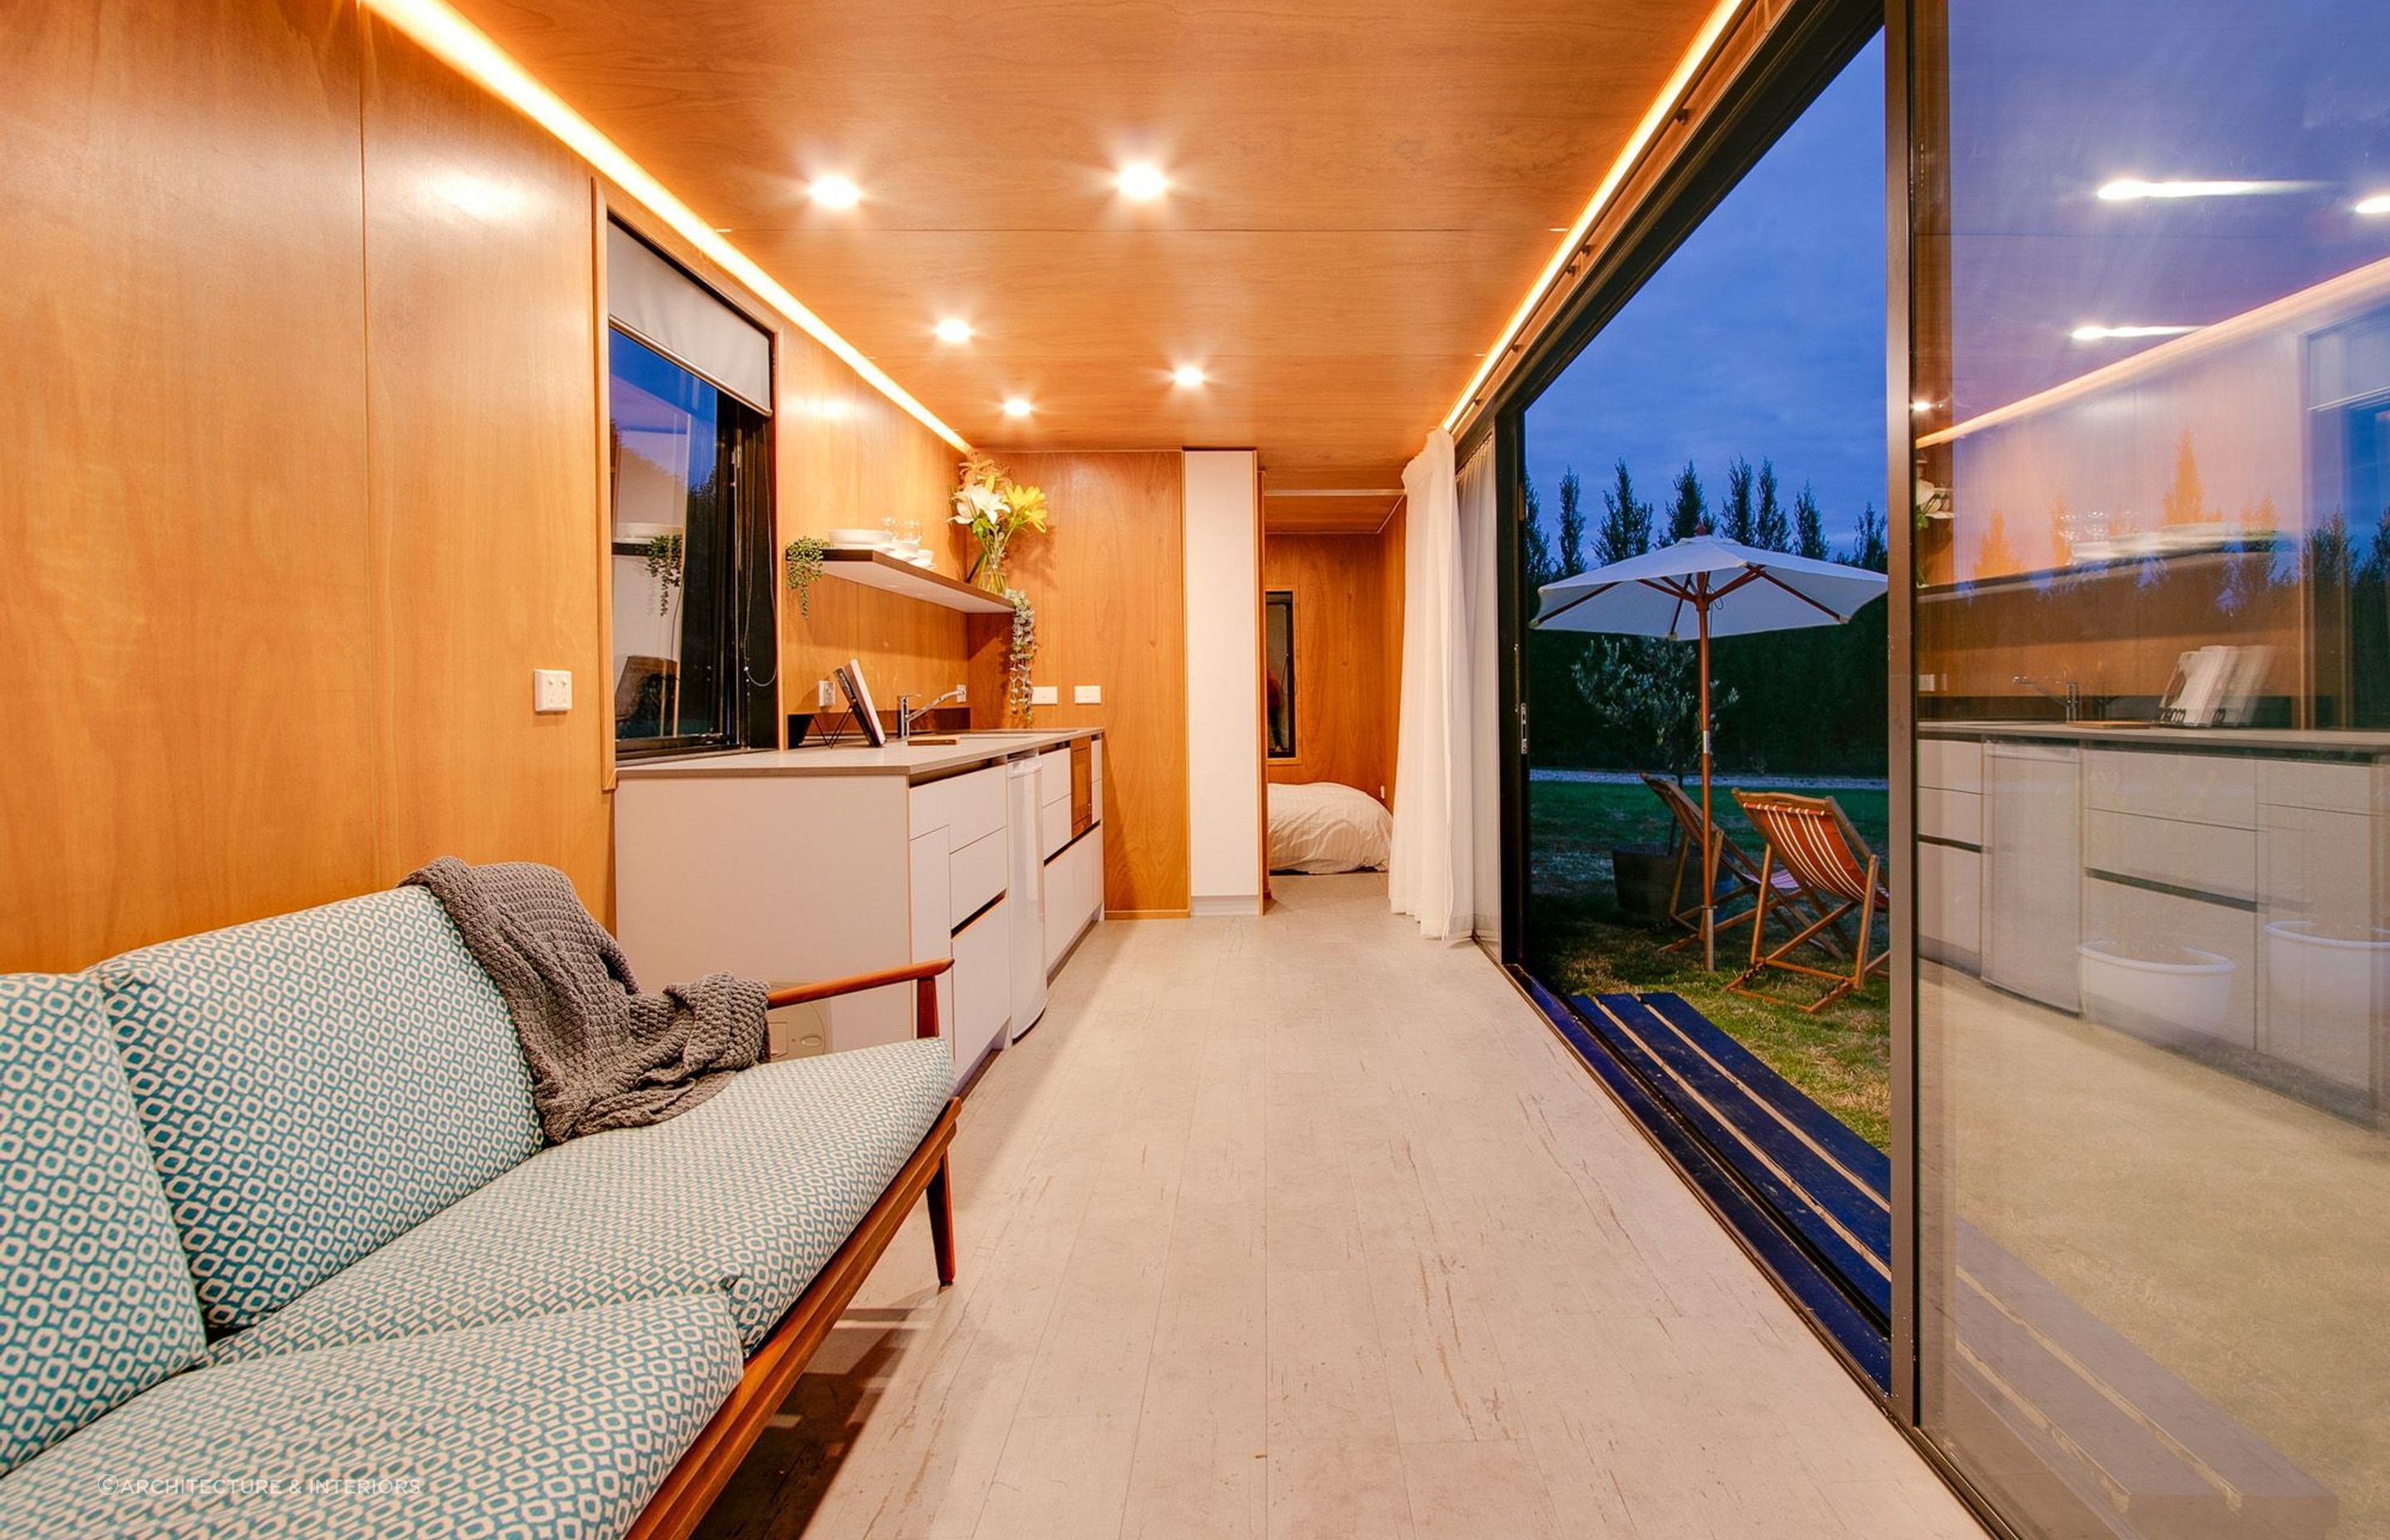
(1950, 904)
(804, 864)
(1074, 893)
(2033, 871)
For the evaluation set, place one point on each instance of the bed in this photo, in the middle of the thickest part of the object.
(1318, 827)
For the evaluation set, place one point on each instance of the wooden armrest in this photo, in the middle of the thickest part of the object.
(923, 975)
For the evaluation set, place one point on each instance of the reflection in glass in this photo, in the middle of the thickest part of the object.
(669, 551)
(2151, 533)
(1278, 661)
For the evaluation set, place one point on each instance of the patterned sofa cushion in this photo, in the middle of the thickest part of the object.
(315, 1084)
(761, 1185)
(95, 1301)
(561, 1427)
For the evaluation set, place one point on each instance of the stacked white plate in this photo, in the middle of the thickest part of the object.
(854, 540)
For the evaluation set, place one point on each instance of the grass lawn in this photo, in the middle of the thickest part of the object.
(1577, 940)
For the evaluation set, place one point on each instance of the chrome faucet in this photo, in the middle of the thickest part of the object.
(2071, 703)
(907, 713)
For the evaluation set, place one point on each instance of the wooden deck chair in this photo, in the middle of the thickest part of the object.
(1739, 876)
(1812, 839)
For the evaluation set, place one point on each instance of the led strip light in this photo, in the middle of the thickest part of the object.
(468, 50)
(1663, 108)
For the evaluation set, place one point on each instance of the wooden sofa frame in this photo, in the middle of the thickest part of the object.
(772, 1370)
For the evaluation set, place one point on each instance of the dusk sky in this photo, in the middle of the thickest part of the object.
(1762, 336)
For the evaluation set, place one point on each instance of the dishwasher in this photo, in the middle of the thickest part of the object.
(1028, 893)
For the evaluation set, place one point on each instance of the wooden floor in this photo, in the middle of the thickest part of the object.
(1302, 1227)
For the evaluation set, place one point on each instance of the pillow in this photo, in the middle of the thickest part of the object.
(315, 1084)
(95, 1301)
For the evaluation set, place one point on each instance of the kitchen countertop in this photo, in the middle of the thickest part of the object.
(2291, 740)
(915, 761)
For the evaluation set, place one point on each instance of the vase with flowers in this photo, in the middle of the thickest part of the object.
(995, 509)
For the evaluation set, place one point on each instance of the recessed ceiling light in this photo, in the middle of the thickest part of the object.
(1920, 407)
(1141, 180)
(953, 328)
(835, 192)
(1186, 377)
(2378, 204)
(1017, 407)
(2132, 189)
(2103, 334)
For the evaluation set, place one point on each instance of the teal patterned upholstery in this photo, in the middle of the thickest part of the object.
(759, 1185)
(316, 1086)
(554, 1428)
(96, 1302)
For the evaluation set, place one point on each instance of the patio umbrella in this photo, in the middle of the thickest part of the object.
(1696, 589)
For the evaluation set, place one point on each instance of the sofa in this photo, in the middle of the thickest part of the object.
(282, 1252)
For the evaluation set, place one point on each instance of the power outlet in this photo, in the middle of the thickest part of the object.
(825, 696)
(1087, 694)
(551, 690)
(1045, 695)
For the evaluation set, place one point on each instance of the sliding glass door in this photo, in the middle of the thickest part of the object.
(2150, 545)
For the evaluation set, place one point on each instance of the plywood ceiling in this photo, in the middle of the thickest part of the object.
(1362, 191)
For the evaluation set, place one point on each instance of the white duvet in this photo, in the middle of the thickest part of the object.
(1321, 826)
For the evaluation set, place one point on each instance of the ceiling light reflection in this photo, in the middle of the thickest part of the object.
(2133, 189)
(2103, 334)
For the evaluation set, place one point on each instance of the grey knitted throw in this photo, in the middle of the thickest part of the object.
(601, 1054)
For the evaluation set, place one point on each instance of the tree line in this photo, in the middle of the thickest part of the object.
(1796, 702)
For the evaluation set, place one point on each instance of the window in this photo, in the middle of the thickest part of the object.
(1277, 637)
(695, 643)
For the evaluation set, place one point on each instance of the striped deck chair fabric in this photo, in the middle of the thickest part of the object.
(1812, 838)
(1739, 877)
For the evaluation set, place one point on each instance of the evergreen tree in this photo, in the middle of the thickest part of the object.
(1689, 512)
(1625, 523)
(1535, 544)
(1571, 523)
(1738, 502)
(1870, 550)
(1771, 530)
(1808, 526)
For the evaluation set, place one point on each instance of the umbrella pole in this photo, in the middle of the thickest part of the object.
(1709, 830)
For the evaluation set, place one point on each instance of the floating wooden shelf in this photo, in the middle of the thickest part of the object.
(878, 569)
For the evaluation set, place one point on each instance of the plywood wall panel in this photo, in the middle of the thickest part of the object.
(1106, 582)
(1393, 582)
(1343, 730)
(187, 615)
(481, 395)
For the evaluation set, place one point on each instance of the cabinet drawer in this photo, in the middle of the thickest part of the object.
(933, 923)
(982, 993)
(1053, 828)
(1952, 765)
(2197, 788)
(2201, 857)
(968, 806)
(976, 876)
(2326, 788)
(1950, 905)
(1054, 776)
(1947, 815)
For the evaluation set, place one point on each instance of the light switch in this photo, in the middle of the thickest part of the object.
(1087, 694)
(551, 689)
(1045, 695)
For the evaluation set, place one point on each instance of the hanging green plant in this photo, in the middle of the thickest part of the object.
(664, 567)
(801, 558)
(1018, 697)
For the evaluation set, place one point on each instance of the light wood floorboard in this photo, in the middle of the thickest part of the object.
(1297, 1228)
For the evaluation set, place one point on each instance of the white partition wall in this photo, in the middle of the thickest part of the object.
(1224, 709)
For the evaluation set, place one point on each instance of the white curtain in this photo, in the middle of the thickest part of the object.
(1443, 777)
